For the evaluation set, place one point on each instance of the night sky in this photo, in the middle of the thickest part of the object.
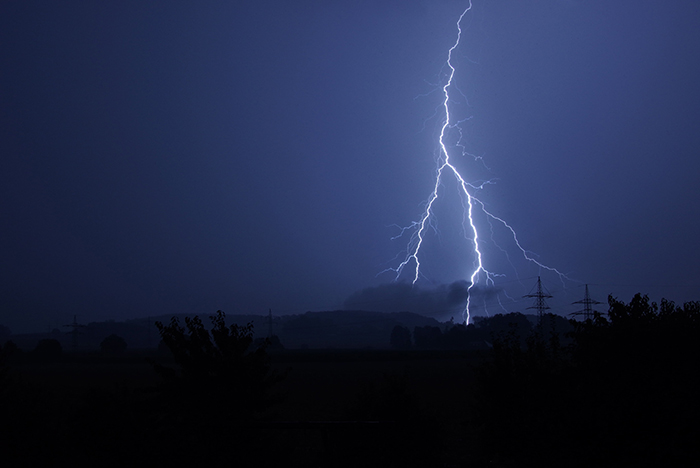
(182, 157)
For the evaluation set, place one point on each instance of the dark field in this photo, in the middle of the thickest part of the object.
(310, 374)
(319, 384)
(324, 399)
(614, 392)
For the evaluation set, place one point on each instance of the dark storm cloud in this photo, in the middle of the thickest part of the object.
(435, 301)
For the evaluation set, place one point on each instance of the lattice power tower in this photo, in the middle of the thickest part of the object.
(587, 310)
(540, 294)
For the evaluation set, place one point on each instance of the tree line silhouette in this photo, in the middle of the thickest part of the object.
(617, 390)
(622, 393)
(478, 336)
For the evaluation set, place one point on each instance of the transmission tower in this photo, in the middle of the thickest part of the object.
(540, 294)
(587, 310)
(75, 330)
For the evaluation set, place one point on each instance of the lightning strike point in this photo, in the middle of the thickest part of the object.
(470, 202)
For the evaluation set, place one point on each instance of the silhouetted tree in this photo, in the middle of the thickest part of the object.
(507, 327)
(7, 353)
(10, 349)
(219, 385)
(113, 344)
(49, 349)
(461, 336)
(427, 337)
(624, 387)
(217, 365)
(400, 337)
(5, 333)
(639, 311)
(4, 357)
(272, 343)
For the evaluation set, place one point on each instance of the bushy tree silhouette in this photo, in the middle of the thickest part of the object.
(219, 385)
(5, 333)
(400, 337)
(113, 344)
(48, 349)
(217, 366)
(621, 394)
(5, 352)
(427, 337)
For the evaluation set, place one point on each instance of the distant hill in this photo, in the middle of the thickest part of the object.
(328, 329)
(345, 328)
(314, 330)
(137, 333)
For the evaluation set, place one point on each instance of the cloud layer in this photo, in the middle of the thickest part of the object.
(441, 301)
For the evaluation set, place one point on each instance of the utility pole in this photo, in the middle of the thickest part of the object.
(587, 310)
(539, 294)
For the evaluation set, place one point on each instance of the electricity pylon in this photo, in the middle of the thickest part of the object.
(75, 330)
(587, 310)
(540, 294)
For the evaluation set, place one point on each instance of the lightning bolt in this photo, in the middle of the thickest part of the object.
(445, 168)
